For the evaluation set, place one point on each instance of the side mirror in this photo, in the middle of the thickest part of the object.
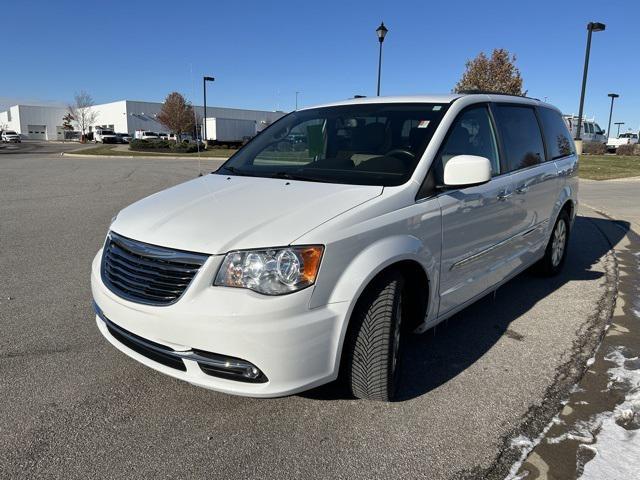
(466, 171)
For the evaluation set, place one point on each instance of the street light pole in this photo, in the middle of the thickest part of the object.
(613, 96)
(591, 27)
(618, 124)
(297, 100)
(381, 31)
(204, 119)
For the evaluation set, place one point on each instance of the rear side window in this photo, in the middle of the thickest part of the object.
(521, 137)
(558, 138)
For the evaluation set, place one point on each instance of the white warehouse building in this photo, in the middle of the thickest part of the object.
(39, 122)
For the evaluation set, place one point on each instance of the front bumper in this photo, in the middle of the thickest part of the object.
(295, 347)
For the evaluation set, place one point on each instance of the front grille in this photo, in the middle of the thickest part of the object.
(146, 273)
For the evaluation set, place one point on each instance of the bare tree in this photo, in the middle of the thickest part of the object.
(82, 113)
(495, 74)
(177, 114)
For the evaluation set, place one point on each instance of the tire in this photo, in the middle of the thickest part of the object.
(373, 340)
(556, 252)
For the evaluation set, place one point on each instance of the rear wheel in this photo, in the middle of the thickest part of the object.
(373, 342)
(556, 251)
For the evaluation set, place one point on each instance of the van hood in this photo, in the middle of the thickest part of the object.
(217, 213)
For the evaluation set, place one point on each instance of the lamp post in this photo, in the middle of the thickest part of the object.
(381, 32)
(297, 93)
(204, 87)
(613, 96)
(591, 27)
(618, 124)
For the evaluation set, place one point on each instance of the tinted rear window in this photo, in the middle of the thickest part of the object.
(521, 137)
(558, 138)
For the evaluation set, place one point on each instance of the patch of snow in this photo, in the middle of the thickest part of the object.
(576, 389)
(617, 433)
(591, 361)
(525, 445)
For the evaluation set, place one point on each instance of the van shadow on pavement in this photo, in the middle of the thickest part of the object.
(435, 357)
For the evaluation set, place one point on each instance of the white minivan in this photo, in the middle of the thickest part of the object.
(299, 260)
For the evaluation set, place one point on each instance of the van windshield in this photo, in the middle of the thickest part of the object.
(364, 144)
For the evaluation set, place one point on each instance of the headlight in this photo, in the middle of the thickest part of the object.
(273, 271)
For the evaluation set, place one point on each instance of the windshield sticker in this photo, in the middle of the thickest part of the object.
(437, 107)
(423, 124)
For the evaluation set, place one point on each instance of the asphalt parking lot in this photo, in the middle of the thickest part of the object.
(74, 407)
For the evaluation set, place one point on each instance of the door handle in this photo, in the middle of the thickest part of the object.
(502, 196)
(522, 189)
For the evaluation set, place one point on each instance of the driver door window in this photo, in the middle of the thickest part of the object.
(471, 134)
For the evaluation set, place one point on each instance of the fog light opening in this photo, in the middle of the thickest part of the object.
(228, 367)
(252, 373)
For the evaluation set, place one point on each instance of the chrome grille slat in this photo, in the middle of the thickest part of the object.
(142, 277)
(159, 265)
(145, 273)
(140, 285)
(119, 261)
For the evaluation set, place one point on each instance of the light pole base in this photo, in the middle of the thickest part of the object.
(578, 144)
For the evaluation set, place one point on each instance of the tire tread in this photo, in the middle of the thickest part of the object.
(370, 343)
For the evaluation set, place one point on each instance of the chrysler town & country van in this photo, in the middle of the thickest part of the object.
(314, 250)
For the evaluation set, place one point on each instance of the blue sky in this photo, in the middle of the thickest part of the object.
(262, 52)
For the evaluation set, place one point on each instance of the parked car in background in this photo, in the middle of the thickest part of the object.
(184, 137)
(163, 136)
(146, 135)
(10, 136)
(591, 131)
(123, 137)
(280, 270)
(628, 138)
(105, 135)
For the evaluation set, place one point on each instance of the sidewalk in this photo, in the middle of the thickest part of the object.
(618, 198)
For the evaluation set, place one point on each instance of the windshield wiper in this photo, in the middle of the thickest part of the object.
(295, 176)
(235, 171)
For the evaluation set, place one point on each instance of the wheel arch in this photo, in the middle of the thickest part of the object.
(565, 202)
(418, 289)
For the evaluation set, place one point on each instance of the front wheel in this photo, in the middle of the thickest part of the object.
(373, 340)
(556, 251)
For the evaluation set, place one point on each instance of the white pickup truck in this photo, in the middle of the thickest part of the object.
(104, 135)
(628, 138)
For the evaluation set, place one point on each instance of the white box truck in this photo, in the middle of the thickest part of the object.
(230, 131)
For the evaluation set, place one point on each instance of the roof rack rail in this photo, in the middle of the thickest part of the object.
(493, 92)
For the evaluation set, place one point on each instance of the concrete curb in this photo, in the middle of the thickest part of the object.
(621, 179)
(144, 157)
